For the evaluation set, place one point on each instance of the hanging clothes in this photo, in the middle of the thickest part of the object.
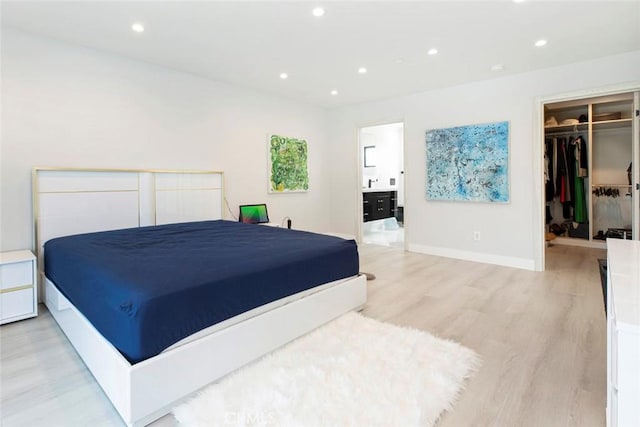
(612, 208)
(568, 187)
(554, 167)
(580, 204)
(565, 167)
(580, 213)
(582, 164)
(560, 167)
(549, 180)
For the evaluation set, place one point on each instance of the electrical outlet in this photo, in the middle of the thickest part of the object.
(476, 235)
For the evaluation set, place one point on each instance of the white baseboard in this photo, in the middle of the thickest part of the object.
(522, 263)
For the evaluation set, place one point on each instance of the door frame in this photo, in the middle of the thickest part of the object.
(360, 159)
(538, 156)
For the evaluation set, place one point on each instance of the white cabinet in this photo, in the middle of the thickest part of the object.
(623, 333)
(18, 290)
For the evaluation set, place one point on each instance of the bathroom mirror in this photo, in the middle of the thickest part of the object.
(370, 156)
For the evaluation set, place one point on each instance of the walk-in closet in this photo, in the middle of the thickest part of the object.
(591, 169)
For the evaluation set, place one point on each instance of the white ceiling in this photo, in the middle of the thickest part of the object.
(250, 43)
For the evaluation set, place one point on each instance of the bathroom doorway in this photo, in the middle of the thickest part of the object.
(382, 184)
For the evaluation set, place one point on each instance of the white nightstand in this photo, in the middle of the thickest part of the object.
(18, 290)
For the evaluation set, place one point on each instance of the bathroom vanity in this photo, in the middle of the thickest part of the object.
(378, 203)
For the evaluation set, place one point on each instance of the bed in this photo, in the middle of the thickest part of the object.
(145, 369)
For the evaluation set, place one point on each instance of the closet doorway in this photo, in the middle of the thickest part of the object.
(591, 169)
(381, 184)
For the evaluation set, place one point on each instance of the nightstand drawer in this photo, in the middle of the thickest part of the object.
(18, 289)
(16, 275)
(16, 303)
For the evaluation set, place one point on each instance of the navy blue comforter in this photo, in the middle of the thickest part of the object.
(147, 288)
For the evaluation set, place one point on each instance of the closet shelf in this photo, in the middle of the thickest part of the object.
(612, 124)
(579, 127)
(583, 127)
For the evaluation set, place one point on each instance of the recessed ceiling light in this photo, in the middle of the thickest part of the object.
(432, 51)
(318, 11)
(497, 67)
(541, 43)
(334, 92)
(362, 70)
(518, 1)
(137, 27)
(399, 61)
(283, 76)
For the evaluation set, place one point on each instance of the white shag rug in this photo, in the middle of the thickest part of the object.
(353, 371)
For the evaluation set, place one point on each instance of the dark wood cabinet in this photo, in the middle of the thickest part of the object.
(378, 205)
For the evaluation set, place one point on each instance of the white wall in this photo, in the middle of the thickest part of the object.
(387, 140)
(67, 106)
(446, 228)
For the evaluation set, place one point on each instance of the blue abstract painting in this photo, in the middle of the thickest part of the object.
(468, 163)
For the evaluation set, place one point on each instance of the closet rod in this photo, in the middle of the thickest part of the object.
(611, 185)
(567, 132)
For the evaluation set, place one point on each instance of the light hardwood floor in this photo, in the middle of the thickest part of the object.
(541, 337)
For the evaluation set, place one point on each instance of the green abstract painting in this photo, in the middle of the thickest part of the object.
(288, 164)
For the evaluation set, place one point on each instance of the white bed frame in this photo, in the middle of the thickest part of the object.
(73, 201)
